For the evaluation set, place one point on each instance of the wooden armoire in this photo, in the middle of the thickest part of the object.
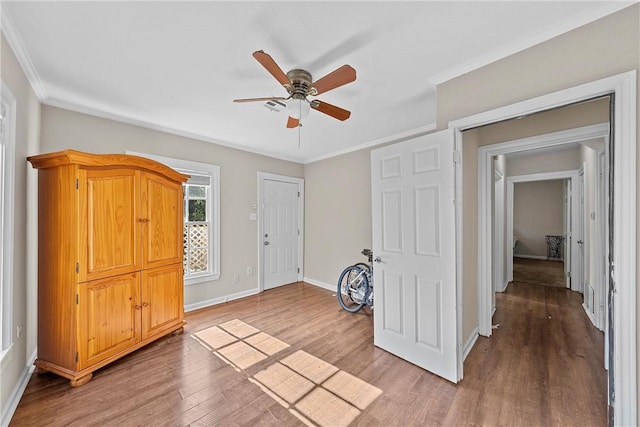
(110, 251)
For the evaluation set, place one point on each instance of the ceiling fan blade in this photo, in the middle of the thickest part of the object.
(331, 110)
(334, 79)
(270, 65)
(271, 98)
(293, 123)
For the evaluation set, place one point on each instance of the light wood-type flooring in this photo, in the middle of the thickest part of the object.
(543, 366)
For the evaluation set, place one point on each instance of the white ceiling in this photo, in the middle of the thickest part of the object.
(177, 66)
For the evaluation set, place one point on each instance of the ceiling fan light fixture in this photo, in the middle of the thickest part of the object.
(298, 108)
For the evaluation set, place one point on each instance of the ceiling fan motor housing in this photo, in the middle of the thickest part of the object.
(301, 82)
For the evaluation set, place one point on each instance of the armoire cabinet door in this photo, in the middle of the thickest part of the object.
(108, 228)
(162, 216)
(109, 317)
(162, 299)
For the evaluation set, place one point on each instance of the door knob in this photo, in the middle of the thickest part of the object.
(378, 259)
(266, 243)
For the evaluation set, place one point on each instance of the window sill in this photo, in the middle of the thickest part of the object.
(201, 279)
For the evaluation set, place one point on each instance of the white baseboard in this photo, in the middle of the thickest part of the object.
(320, 284)
(470, 343)
(504, 286)
(214, 301)
(590, 315)
(16, 394)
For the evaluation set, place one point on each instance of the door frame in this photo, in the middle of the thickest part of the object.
(567, 213)
(262, 177)
(547, 176)
(579, 232)
(499, 282)
(623, 87)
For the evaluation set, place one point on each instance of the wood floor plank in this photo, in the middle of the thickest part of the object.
(543, 365)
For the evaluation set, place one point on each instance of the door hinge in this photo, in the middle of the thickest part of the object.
(76, 299)
(298, 232)
(77, 267)
(298, 194)
(76, 357)
(77, 183)
(298, 269)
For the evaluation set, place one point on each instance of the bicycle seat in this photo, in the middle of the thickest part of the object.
(368, 253)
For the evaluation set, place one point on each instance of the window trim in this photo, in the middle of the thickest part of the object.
(7, 223)
(189, 167)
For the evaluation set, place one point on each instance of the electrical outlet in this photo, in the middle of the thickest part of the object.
(249, 270)
(236, 278)
(18, 331)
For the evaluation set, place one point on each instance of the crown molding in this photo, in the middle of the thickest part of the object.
(109, 115)
(104, 114)
(522, 44)
(398, 137)
(15, 41)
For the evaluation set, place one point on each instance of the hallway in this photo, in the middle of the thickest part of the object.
(543, 365)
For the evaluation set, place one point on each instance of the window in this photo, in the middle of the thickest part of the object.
(7, 144)
(201, 213)
(197, 225)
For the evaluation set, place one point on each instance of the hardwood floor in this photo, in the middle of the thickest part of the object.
(542, 366)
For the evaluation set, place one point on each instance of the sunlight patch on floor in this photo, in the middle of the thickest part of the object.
(317, 370)
(314, 391)
(284, 382)
(352, 389)
(238, 328)
(214, 337)
(266, 343)
(242, 355)
(326, 409)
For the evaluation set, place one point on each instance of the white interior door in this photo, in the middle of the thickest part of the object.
(414, 239)
(280, 228)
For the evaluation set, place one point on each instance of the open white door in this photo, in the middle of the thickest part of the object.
(414, 245)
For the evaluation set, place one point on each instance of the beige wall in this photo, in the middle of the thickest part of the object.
(537, 211)
(337, 214)
(601, 49)
(16, 362)
(62, 129)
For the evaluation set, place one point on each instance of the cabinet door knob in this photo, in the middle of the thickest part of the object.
(138, 307)
(145, 304)
(143, 219)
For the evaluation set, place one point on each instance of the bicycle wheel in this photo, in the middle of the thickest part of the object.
(353, 286)
(363, 265)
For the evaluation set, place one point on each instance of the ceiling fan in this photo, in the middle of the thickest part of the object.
(299, 84)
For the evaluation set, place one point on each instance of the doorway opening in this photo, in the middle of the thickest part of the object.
(549, 186)
(622, 226)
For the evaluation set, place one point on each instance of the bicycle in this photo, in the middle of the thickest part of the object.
(355, 285)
